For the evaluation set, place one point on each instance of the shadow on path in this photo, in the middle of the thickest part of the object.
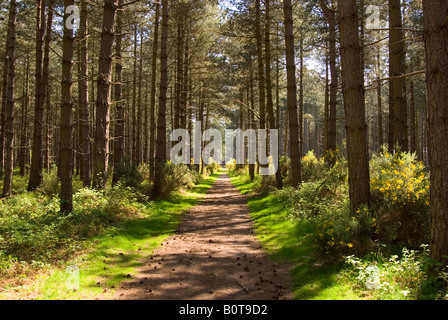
(213, 255)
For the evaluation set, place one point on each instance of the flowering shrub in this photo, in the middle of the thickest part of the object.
(400, 198)
(313, 168)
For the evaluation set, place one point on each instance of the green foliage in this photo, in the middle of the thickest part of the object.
(264, 184)
(231, 165)
(177, 177)
(33, 229)
(212, 166)
(130, 174)
(409, 275)
(50, 185)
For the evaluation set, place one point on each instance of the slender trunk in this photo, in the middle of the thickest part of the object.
(160, 158)
(397, 101)
(84, 139)
(261, 81)
(379, 104)
(326, 107)
(413, 127)
(330, 15)
(296, 172)
(251, 113)
(119, 108)
(134, 102)
(138, 144)
(36, 156)
(2, 116)
(23, 151)
(152, 124)
(101, 151)
(354, 105)
(65, 149)
(9, 110)
(270, 103)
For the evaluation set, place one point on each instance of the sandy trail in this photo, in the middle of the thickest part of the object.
(213, 255)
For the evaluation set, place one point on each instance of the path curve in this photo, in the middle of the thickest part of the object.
(213, 255)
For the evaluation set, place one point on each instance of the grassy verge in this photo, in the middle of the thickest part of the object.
(284, 240)
(111, 257)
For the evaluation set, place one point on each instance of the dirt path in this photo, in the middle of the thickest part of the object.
(213, 255)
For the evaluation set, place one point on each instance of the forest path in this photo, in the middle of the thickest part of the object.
(213, 255)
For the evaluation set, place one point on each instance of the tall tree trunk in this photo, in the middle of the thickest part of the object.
(354, 105)
(160, 158)
(3, 110)
(436, 44)
(413, 123)
(398, 133)
(379, 104)
(270, 102)
(152, 124)
(134, 102)
(36, 156)
(138, 144)
(9, 110)
(84, 139)
(296, 172)
(101, 151)
(119, 108)
(330, 15)
(23, 151)
(65, 149)
(261, 80)
(251, 113)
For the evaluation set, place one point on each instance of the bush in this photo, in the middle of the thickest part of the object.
(212, 166)
(50, 185)
(32, 230)
(176, 177)
(405, 276)
(231, 165)
(264, 184)
(400, 198)
(312, 168)
(130, 174)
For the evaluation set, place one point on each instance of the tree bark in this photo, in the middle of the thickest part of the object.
(152, 124)
(330, 15)
(84, 139)
(398, 128)
(101, 152)
(160, 157)
(9, 110)
(36, 156)
(65, 149)
(436, 44)
(354, 106)
(119, 108)
(296, 172)
(270, 102)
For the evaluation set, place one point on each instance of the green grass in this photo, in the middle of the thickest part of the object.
(114, 255)
(284, 241)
